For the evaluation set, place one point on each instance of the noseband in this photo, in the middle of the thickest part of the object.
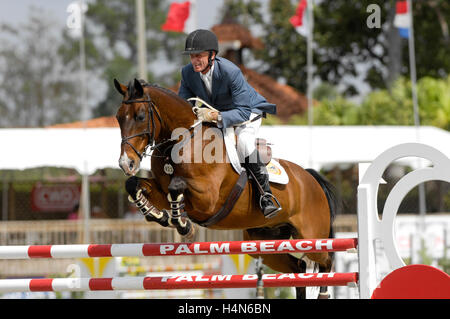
(150, 131)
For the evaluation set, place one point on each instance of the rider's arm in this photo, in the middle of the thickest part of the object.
(184, 90)
(241, 111)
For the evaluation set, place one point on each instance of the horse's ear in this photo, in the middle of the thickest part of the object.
(120, 87)
(138, 89)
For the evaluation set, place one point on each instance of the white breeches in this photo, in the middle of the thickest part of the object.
(246, 137)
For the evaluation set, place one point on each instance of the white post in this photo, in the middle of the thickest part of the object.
(366, 245)
(370, 226)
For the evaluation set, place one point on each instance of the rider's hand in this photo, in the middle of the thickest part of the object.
(206, 115)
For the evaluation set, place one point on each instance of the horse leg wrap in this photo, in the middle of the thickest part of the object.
(150, 212)
(324, 295)
(181, 223)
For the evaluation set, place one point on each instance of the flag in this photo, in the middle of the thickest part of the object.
(402, 18)
(177, 17)
(73, 21)
(300, 21)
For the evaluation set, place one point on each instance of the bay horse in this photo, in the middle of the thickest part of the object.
(181, 192)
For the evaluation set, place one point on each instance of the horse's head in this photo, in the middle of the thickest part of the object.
(137, 125)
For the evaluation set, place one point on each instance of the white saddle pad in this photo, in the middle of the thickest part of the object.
(277, 173)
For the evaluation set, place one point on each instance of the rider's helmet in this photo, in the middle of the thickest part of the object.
(201, 40)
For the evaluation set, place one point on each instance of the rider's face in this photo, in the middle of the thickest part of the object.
(200, 61)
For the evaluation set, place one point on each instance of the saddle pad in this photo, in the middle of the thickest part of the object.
(277, 173)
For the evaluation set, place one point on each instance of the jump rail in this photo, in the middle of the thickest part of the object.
(179, 282)
(180, 249)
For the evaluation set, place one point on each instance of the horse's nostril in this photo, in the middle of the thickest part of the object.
(131, 165)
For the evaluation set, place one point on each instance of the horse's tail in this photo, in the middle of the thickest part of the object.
(334, 202)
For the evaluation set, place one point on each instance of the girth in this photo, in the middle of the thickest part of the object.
(228, 206)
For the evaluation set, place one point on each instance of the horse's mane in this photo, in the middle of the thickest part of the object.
(165, 90)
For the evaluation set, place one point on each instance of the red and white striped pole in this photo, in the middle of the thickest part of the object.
(180, 249)
(178, 282)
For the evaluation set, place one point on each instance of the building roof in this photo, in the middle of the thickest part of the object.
(229, 32)
(104, 121)
(288, 100)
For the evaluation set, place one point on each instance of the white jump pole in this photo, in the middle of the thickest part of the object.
(370, 226)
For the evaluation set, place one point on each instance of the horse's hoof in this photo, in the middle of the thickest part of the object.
(189, 237)
(324, 295)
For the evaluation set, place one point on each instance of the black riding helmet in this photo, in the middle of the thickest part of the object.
(199, 41)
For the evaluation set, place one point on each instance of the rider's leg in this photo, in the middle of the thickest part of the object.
(259, 170)
(247, 150)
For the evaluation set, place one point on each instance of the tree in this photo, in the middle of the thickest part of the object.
(246, 13)
(285, 51)
(384, 107)
(38, 88)
(347, 47)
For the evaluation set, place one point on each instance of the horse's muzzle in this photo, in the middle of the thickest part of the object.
(129, 166)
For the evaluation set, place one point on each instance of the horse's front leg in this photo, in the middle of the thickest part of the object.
(145, 194)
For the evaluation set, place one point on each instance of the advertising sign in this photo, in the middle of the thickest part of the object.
(54, 198)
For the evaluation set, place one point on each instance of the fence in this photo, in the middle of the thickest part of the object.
(102, 231)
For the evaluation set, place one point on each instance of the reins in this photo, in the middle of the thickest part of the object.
(150, 132)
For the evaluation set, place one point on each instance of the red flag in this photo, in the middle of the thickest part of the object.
(177, 16)
(299, 20)
(401, 7)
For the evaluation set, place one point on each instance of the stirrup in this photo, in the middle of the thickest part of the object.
(272, 199)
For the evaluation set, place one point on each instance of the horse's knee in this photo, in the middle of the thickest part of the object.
(131, 186)
(177, 186)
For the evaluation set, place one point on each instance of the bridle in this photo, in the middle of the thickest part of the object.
(150, 131)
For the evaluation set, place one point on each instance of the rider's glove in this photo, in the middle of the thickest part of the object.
(204, 114)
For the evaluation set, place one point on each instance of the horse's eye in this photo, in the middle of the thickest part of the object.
(140, 117)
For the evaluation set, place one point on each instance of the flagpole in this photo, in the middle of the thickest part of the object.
(309, 57)
(194, 14)
(413, 75)
(85, 189)
(412, 66)
(142, 50)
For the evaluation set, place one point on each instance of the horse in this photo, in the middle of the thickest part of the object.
(180, 193)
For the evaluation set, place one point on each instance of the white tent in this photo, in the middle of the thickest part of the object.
(87, 150)
(72, 148)
(325, 145)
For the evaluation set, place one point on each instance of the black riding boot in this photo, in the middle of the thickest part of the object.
(257, 167)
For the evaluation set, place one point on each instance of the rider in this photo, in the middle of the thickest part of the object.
(221, 83)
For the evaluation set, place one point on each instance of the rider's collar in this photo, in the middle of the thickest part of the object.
(208, 74)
